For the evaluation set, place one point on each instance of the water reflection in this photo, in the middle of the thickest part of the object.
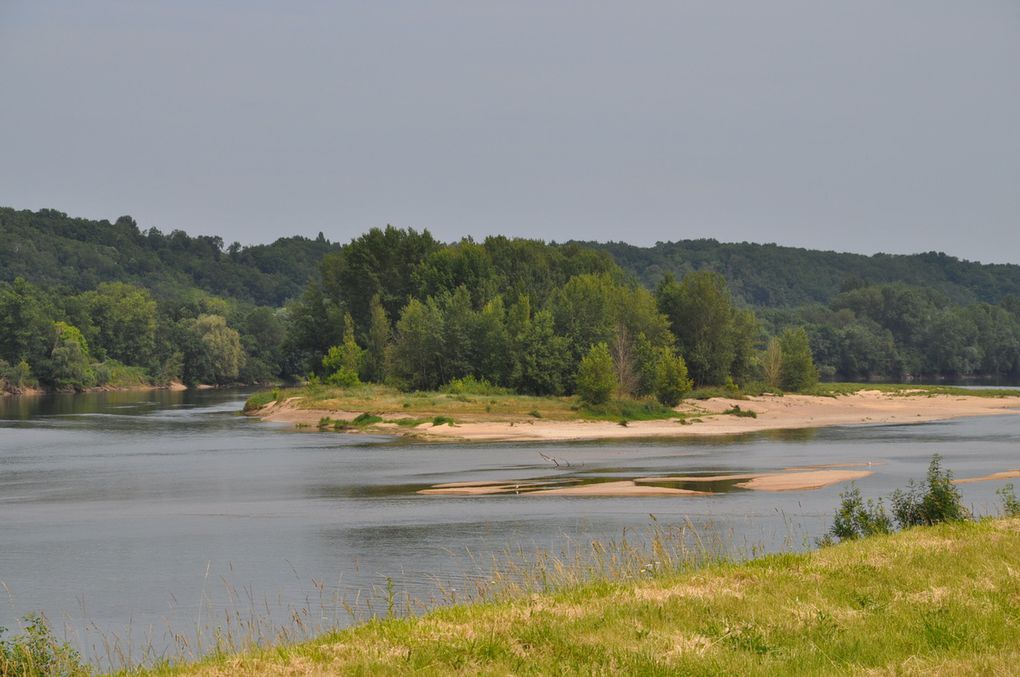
(126, 500)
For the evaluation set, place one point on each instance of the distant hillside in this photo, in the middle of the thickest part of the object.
(51, 249)
(772, 276)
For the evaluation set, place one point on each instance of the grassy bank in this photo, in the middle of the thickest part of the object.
(495, 405)
(943, 598)
(908, 390)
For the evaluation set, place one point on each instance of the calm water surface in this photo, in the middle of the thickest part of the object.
(129, 511)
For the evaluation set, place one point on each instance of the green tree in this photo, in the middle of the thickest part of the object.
(671, 380)
(541, 360)
(211, 350)
(121, 322)
(799, 372)
(343, 363)
(69, 365)
(415, 358)
(702, 317)
(376, 340)
(772, 363)
(596, 380)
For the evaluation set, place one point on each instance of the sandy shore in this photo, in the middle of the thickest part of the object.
(773, 413)
(788, 480)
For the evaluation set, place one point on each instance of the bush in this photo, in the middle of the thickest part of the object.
(671, 381)
(469, 385)
(442, 420)
(259, 400)
(935, 500)
(37, 652)
(366, 419)
(1010, 503)
(856, 518)
(735, 410)
(343, 378)
(798, 368)
(596, 379)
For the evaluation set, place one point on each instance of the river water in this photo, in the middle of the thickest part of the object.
(134, 514)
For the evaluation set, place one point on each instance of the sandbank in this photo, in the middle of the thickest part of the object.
(774, 412)
(649, 486)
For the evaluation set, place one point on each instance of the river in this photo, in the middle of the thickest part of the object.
(130, 515)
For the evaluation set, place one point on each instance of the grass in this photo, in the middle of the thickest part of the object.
(735, 410)
(490, 405)
(906, 389)
(940, 599)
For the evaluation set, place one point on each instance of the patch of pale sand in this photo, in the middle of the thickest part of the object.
(1004, 475)
(774, 413)
(798, 481)
(489, 488)
(620, 488)
(823, 466)
(490, 483)
(470, 491)
(697, 478)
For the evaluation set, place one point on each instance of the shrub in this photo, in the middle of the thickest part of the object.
(735, 410)
(442, 420)
(1010, 503)
(596, 378)
(37, 652)
(671, 381)
(798, 367)
(935, 500)
(366, 419)
(259, 400)
(344, 378)
(856, 518)
(473, 386)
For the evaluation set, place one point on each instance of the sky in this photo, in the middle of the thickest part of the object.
(862, 125)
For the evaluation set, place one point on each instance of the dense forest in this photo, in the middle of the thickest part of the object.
(92, 303)
(767, 275)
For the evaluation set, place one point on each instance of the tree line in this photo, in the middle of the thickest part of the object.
(115, 305)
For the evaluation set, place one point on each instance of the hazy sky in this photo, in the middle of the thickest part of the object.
(856, 125)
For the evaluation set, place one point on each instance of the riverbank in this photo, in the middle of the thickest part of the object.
(933, 599)
(505, 418)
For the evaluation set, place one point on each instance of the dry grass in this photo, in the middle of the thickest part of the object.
(940, 599)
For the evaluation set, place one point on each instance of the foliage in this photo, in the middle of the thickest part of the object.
(936, 500)
(735, 410)
(37, 653)
(671, 381)
(1010, 503)
(343, 362)
(856, 518)
(596, 381)
(259, 400)
(798, 368)
(212, 350)
(69, 364)
(469, 385)
(772, 363)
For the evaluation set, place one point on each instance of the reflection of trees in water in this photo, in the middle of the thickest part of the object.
(792, 434)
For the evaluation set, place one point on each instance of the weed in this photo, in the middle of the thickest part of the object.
(1010, 503)
(735, 410)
